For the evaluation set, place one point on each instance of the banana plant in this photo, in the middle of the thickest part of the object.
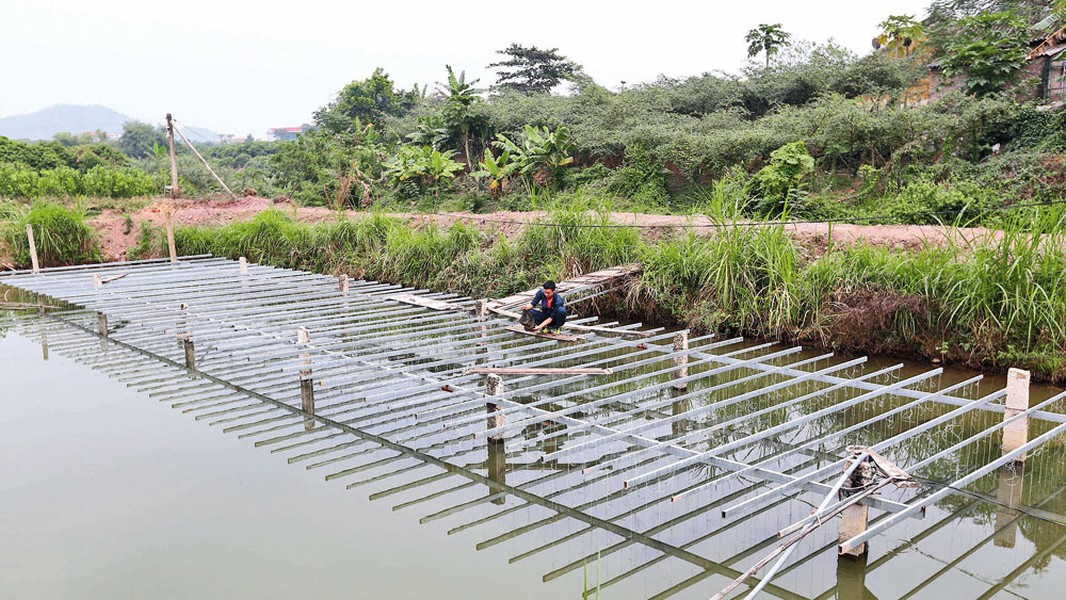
(540, 154)
(497, 170)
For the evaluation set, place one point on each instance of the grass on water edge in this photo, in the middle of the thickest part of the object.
(990, 303)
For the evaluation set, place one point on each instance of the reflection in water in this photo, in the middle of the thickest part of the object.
(576, 517)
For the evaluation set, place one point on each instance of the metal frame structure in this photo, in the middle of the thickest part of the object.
(665, 467)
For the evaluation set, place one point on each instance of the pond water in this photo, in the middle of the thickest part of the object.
(109, 492)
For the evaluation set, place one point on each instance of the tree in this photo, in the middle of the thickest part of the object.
(532, 70)
(367, 101)
(768, 39)
(459, 117)
(989, 50)
(900, 35)
(138, 139)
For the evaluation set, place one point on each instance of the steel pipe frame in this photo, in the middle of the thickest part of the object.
(962, 482)
(1044, 415)
(754, 502)
(111, 265)
(416, 406)
(804, 398)
(563, 412)
(796, 422)
(376, 400)
(706, 408)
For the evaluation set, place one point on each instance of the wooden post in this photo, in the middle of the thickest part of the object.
(33, 249)
(1016, 434)
(243, 264)
(342, 283)
(174, 191)
(855, 517)
(681, 360)
(494, 387)
(307, 383)
(185, 336)
(169, 215)
(101, 324)
(190, 350)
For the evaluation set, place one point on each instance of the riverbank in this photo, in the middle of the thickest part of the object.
(988, 304)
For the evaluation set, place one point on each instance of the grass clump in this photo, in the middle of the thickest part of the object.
(61, 233)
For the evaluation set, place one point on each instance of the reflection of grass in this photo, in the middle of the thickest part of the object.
(585, 591)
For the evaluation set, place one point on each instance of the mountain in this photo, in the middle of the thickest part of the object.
(44, 124)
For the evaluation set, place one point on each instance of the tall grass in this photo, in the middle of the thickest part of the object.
(61, 234)
(994, 302)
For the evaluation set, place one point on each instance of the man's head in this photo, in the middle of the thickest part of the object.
(549, 288)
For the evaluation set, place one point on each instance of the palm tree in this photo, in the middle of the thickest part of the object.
(768, 39)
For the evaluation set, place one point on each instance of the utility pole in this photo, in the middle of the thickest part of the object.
(174, 192)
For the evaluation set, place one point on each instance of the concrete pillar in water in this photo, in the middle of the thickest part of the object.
(101, 324)
(342, 283)
(1009, 496)
(494, 387)
(307, 382)
(243, 264)
(1016, 434)
(496, 465)
(851, 579)
(854, 519)
(681, 360)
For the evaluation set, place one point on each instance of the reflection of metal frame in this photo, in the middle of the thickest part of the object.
(663, 472)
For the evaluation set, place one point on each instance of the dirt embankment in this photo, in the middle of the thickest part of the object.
(115, 242)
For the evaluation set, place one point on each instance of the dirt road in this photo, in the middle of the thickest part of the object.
(815, 236)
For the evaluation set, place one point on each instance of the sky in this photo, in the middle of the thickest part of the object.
(243, 67)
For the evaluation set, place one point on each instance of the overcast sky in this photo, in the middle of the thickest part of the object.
(243, 67)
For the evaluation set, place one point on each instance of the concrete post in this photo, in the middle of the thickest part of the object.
(307, 382)
(494, 387)
(342, 283)
(681, 360)
(1016, 434)
(244, 265)
(855, 517)
(101, 324)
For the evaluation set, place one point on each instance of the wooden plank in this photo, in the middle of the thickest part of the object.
(593, 328)
(536, 371)
(562, 337)
(425, 302)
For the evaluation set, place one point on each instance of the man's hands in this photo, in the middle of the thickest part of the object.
(527, 307)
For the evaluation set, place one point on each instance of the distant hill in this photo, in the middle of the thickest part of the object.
(44, 124)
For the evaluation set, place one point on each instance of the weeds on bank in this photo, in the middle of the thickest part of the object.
(61, 234)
